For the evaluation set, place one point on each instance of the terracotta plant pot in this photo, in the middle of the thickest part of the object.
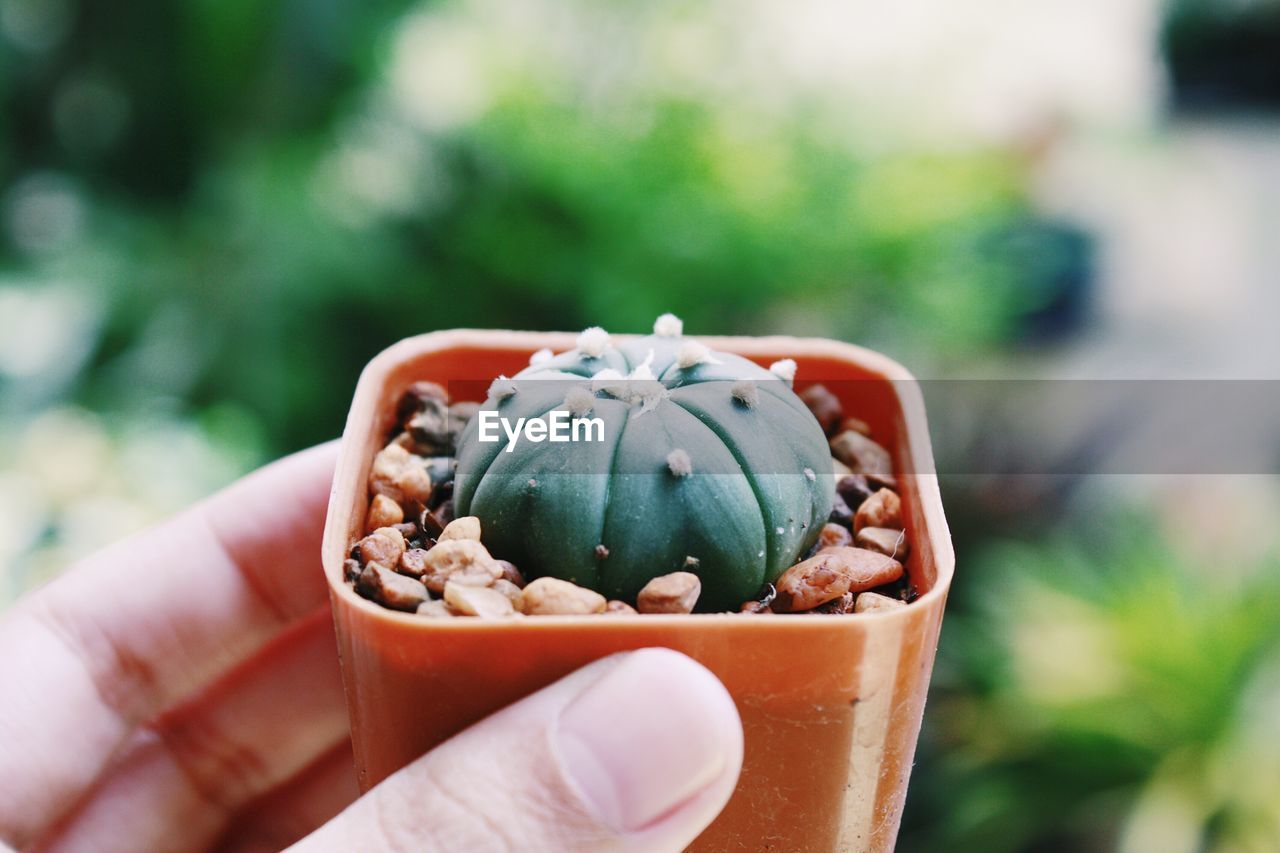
(831, 705)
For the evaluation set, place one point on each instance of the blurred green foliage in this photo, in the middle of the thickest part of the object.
(256, 197)
(1109, 694)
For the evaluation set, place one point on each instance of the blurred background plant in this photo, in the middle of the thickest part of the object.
(213, 213)
(1104, 694)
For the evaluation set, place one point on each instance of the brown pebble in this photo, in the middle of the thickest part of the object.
(883, 481)
(434, 608)
(511, 573)
(870, 602)
(555, 597)
(467, 527)
(384, 545)
(400, 475)
(861, 454)
(618, 608)
(883, 509)
(391, 589)
(416, 396)
(841, 605)
(462, 560)
(513, 593)
(831, 573)
(351, 569)
(857, 425)
(674, 593)
(429, 427)
(840, 511)
(383, 512)
(430, 525)
(476, 600)
(834, 535)
(886, 540)
(413, 562)
(854, 489)
(824, 405)
(477, 574)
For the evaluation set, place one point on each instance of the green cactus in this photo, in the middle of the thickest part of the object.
(709, 464)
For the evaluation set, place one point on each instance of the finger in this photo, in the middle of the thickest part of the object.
(318, 794)
(130, 631)
(636, 752)
(200, 763)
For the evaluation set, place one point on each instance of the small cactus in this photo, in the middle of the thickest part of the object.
(707, 465)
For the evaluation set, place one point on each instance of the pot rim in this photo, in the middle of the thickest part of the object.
(933, 525)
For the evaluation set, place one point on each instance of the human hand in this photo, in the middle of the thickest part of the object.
(180, 691)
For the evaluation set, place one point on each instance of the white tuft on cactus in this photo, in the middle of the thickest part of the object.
(745, 392)
(643, 370)
(579, 401)
(502, 388)
(689, 354)
(668, 326)
(610, 382)
(812, 477)
(784, 369)
(648, 393)
(692, 353)
(679, 463)
(542, 356)
(593, 342)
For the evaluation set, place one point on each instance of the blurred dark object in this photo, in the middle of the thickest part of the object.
(1053, 263)
(1223, 56)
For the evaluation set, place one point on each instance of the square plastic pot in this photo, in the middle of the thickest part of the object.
(831, 704)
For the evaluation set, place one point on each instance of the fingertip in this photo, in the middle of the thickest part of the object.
(637, 751)
(654, 746)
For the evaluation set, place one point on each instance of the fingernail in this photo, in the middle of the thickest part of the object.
(647, 737)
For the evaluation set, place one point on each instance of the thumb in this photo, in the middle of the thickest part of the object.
(638, 751)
